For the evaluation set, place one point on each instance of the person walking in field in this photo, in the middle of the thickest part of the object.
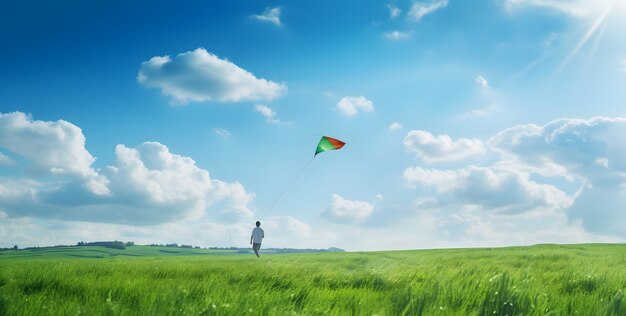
(257, 237)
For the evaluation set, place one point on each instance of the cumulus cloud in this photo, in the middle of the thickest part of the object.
(482, 82)
(421, 9)
(51, 148)
(501, 191)
(395, 126)
(267, 112)
(271, 15)
(350, 106)
(160, 180)
(441, 148)
(200, 76)
(347, 211)
(397, 35)
(537, 165)
(147, 184)
(589, 149)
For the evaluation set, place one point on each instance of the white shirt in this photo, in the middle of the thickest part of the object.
(257, 235)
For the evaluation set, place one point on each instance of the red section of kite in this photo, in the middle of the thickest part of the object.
(335, 142)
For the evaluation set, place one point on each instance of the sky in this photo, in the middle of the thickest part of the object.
(467, 123)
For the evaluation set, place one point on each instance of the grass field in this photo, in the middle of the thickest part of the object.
(538, 280)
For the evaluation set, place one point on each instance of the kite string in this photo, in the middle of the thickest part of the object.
(290, 185)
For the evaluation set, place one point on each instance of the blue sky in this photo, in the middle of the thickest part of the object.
(479, 123)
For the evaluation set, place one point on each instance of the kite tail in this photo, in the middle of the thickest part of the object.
(290, 185)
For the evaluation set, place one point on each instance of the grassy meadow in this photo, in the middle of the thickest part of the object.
(584, 279)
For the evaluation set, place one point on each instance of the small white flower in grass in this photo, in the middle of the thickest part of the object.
(214, 306)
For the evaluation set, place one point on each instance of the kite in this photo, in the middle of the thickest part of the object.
(328, 143)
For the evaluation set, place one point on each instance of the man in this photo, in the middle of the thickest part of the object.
(257, 236)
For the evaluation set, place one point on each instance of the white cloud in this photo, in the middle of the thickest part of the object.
(623, 64)
(481, 81)
(223, 133)
(147, 184)
(51, 148)
(567, 148)
(200, 76)
(173, 184)
(498, 190)
(397, 35)
(394, 11)
(421, 9)
(441, 148)
(271, 15)
(347, 211)
(267, 112)
(350, 106)
(395, 126)
(586, 153)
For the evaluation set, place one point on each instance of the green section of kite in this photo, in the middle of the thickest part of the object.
(328, 143)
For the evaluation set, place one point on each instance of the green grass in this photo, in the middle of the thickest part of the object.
(538, 280)
(102, 252)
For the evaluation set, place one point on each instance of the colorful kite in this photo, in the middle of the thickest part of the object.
(328, 143)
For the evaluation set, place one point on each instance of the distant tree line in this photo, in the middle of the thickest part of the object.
(174, 245)
(108, 244)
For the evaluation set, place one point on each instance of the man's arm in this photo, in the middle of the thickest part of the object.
(251, 239)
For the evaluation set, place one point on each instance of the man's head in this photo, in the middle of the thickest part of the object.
(258, 223)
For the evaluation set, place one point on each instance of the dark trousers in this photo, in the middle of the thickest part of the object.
(256, 248)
